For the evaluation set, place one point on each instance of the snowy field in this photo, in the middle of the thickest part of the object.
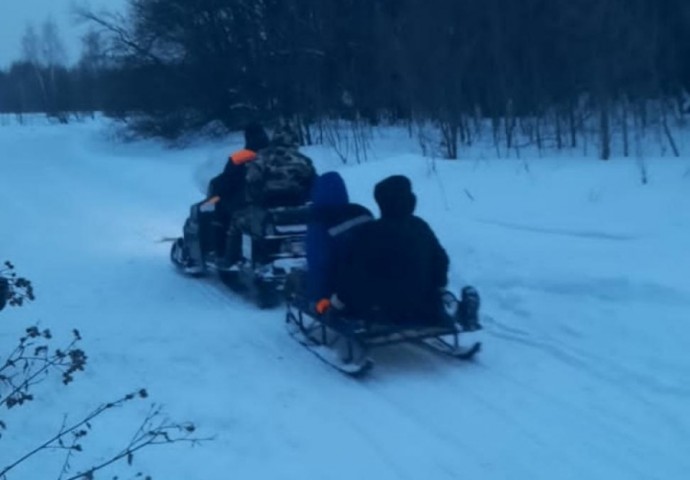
(584, 275)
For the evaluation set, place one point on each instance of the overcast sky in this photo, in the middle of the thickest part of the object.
(15, 15)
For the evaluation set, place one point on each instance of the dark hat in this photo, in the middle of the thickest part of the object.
(329, 189)
(255, 137)
(394, 196)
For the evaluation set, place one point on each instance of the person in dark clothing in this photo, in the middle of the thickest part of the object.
(229, 185)
(227, 190)
(397, 270)
(332, 224)
(226, 195)
(397, 267)
(280, 176)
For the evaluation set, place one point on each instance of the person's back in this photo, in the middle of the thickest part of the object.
(397, 266)
(332, 223)
(281, 175)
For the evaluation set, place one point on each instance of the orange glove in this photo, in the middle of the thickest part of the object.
(322, 306)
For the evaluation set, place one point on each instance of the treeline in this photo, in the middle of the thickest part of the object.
(40, 81)
(547, 69)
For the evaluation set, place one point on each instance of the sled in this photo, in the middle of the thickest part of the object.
(345, 343)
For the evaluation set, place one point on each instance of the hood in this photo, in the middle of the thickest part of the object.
(394, 197)
(329, 190)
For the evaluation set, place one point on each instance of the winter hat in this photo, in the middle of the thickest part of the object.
(285, 136)
(329, 190)
(394, 197)
(255, 137)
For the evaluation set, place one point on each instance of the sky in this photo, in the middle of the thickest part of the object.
(15, 15)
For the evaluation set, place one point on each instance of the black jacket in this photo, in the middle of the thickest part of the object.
(229, 186)
(396, 267)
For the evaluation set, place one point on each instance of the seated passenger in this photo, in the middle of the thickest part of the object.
(333, 221)
(205, 234)
(397, 270)
(281, 175)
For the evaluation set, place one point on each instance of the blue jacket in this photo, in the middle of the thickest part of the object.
(333, 221)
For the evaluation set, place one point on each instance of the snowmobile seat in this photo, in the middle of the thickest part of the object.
(273, 222)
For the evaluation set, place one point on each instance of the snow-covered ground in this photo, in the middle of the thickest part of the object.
(584, 275)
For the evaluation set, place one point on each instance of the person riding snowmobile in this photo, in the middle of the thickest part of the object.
(226, 191)
(204, 230)
(280, 176)
(229, 185)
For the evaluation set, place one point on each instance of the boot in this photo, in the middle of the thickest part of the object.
(231, 250)
(468, 309)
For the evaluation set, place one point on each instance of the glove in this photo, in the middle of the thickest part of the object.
(322, 306)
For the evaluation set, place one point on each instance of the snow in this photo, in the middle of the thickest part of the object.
(583, 276)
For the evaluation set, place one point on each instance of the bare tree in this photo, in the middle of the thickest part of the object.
(52, 48)
(31, 54)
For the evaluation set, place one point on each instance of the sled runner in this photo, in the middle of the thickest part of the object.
(345, 343)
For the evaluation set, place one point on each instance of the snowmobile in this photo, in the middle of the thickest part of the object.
(272, 246)
(345, 343)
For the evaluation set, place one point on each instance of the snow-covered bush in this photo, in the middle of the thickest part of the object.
(32, 361)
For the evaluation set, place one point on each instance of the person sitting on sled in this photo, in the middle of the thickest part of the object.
(397, 269)
(333, 221)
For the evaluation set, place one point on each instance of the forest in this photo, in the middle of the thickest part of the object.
(543, 71)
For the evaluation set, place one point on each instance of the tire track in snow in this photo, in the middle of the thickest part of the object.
(625, 432)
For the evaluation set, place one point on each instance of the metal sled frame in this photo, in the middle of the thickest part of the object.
(356, 338)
